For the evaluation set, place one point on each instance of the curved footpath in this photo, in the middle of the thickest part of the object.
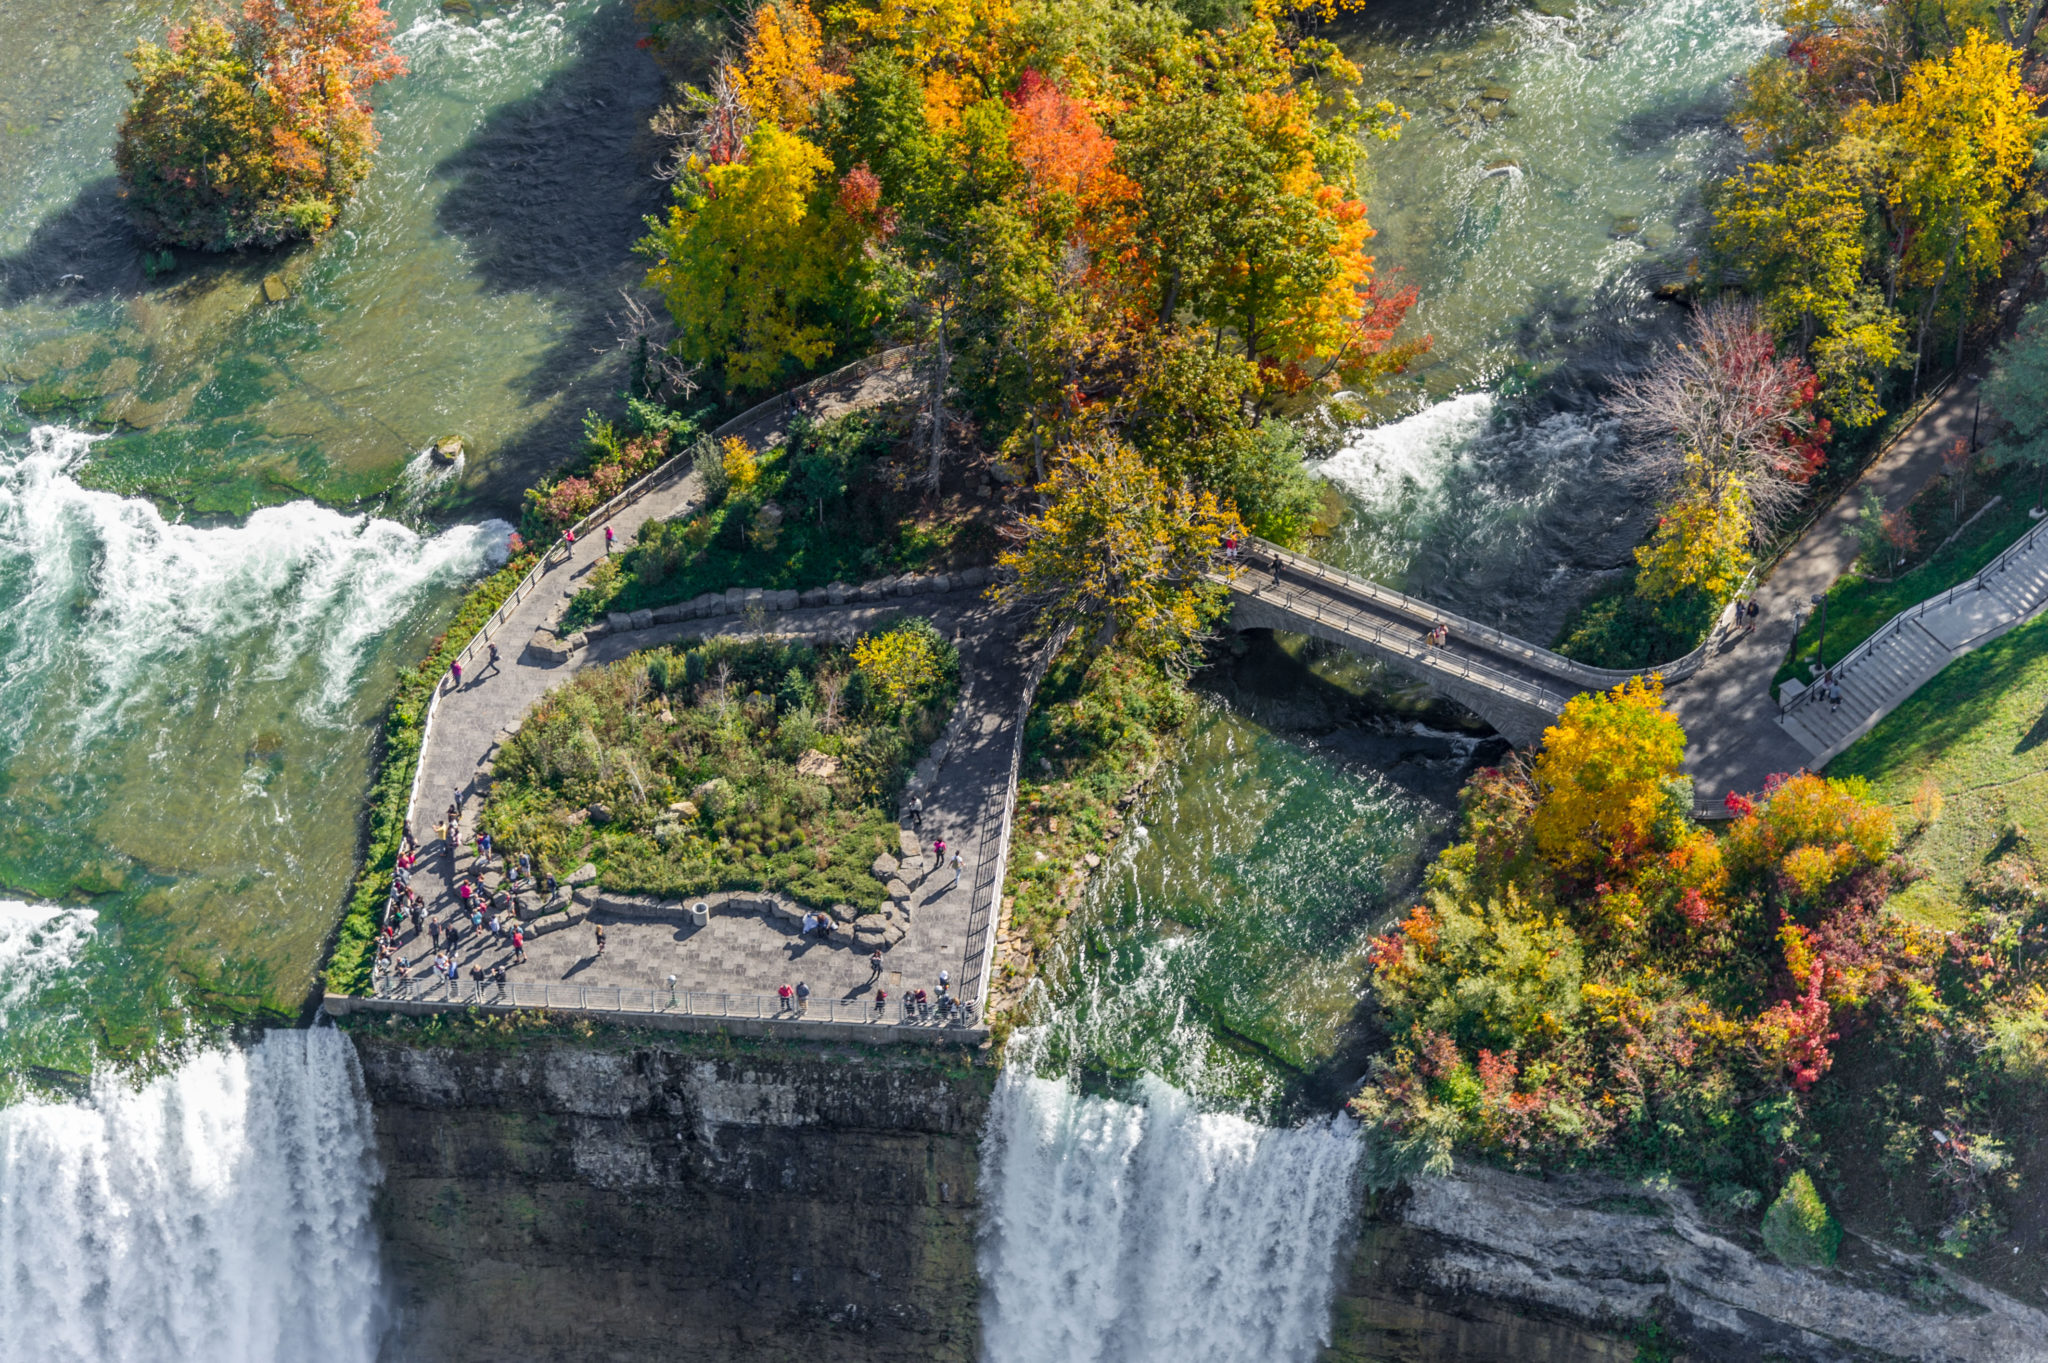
(1731, 716)
(743, 955)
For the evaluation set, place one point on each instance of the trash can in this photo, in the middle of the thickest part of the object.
(700, 914)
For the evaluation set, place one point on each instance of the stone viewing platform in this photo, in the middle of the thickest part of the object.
(749, 942)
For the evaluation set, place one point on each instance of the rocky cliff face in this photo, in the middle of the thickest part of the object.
(676, 1198)
(1587, 1270)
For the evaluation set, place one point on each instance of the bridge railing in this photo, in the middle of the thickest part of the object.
(1981, 582)
(1582, 675)
(1390, 640)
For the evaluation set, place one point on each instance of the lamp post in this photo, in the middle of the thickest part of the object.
(1820, 603)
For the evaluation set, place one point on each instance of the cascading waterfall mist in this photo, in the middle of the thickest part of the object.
(220, 1213)
(1127, 1232)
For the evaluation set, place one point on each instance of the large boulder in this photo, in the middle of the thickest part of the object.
(549, 648)
(884, 867)
(643, 619)
(844, 913)
(582, 875)
(897, 889)
(618, 622)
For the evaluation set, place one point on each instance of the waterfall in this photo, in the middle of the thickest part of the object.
(217, 1214)
(1128, 1232)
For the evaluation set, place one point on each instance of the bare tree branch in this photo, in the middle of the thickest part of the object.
(1724, 410)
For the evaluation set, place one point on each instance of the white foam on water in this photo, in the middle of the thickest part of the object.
(218, 1214)
(1377, 463)
(1154, 1232)
(103, 584)
(36, 942)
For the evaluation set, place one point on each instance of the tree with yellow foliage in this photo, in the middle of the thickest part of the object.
(1608, 774)
(780, 78)
(903, 665)
(1699, 545)
(762, 269)
(1961, 154)
(1115, 545)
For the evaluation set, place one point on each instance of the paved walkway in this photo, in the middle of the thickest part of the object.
(1728, 708)
(964, 783)
(1909, 651)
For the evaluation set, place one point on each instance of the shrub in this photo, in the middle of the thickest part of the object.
(250, 129)
(907, 663)
(1798, 1230)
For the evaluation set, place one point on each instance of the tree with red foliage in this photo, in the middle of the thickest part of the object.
(252, 129)
(1724, 413)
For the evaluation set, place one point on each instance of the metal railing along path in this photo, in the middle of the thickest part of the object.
(985, 909)
(659, 475)
(604, 998)
(1982, 581)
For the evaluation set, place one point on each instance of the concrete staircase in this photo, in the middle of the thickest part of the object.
(1916, 644)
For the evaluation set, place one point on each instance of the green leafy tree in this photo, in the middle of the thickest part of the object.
(1798, 1230)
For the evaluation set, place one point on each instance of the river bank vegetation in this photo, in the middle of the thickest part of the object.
(1591, 977)
(1892, 172)
(764, 764)
(253, 128)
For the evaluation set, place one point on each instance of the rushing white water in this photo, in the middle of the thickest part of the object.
(107, 581)
(1375, 463)
(1135, 1232)
(36, 941)
(219, 1214)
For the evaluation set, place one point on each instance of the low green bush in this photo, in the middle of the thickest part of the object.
(765, 764)
(825, 506)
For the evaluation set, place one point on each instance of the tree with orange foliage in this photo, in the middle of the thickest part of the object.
(251, 129)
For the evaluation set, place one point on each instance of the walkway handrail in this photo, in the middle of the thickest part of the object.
(1582, 675)
(1980, 582)
(626, 496)
(1429, 656)
(607, 998)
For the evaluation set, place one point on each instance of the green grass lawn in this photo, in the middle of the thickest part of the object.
(1979, 733)
(1858, 606)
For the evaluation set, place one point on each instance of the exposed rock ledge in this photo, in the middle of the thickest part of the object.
(1489, 1265)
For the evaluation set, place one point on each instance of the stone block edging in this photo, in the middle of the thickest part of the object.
(739, 600)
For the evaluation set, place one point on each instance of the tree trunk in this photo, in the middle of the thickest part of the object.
(941, 372)
(1172, 298)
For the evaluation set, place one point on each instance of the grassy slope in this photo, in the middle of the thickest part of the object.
(1978, 731)
(1857, 606)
